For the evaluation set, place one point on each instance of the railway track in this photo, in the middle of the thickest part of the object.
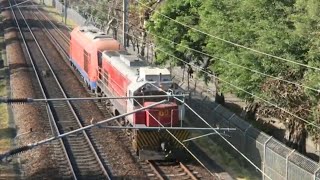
(172, 170)
(76, 154)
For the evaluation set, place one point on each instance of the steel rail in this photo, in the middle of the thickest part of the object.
(69, 105)
(155, 169)
(185, 169)
(66, 39)
(65, 53)
(49, 110)
(162, 175)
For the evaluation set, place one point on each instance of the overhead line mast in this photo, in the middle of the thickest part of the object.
(125, 22)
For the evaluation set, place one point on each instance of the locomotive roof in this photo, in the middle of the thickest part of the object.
(92, 38)
(135, 68)
(126, 66)
(93, 33)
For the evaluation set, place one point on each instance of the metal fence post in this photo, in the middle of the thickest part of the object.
(245, 138)
(287, 158)
(315, 173)
(264, 156)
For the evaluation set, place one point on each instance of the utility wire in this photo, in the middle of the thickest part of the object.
(235, 64)
(229, 42)
(241, 89)
(211, 75)
(15, 5)
(218, 58)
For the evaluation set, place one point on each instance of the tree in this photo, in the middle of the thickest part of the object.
(184, 11)
(283, 28)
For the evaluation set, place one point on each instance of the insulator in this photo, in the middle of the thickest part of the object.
(16, 100)
(15, 151)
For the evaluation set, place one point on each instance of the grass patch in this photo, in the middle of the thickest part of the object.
(57, 16)
(227, 161)
(5, 133)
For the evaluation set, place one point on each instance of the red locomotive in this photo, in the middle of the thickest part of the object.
(109, 70)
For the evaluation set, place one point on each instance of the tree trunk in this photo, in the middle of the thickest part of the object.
(219, 98)
(296, 135)
(250, 111)
(143, 22)
(143, 42)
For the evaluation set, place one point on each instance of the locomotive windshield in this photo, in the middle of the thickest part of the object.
(140, 101)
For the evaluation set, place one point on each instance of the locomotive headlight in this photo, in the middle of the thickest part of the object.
(163, 146)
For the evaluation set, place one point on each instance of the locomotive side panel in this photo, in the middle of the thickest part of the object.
(80, 54)
(117, 83)
(113, 83)
(86, 43)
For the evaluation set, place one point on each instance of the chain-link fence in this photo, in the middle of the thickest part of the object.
(275, 159)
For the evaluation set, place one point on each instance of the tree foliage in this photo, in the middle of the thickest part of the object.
(284, 28)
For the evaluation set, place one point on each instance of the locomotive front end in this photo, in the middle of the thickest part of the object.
(158, 135)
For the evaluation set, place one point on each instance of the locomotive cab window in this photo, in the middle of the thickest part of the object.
(140, 101)
(86, 61)
(100, 63)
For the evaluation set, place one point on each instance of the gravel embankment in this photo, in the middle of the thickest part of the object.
(38, 162)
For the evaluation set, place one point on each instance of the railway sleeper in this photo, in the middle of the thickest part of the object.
(84, 155)
(79, 151)
(88, 165)
(79, 144)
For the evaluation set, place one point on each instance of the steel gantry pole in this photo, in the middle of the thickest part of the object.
(65, 11)
(125, 22)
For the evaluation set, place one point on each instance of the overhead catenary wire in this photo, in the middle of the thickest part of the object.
(23, 2)
(227, 41)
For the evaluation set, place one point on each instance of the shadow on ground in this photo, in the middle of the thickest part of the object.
(7, 133)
